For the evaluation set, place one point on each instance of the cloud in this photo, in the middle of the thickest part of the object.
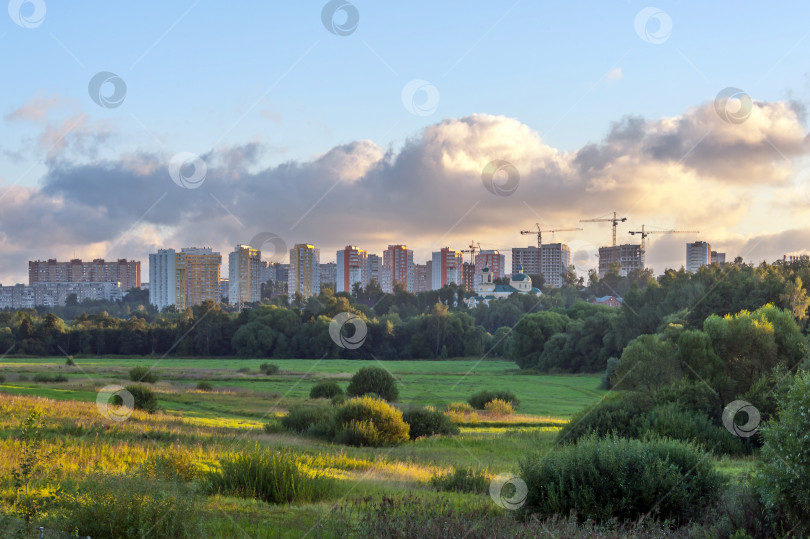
(615, 74)
(693, 171)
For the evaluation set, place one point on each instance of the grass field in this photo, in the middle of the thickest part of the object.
(194, 430)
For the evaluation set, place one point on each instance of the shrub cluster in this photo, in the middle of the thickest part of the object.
(326, 389)
(366, 421)
(204, 386)
(461, 480)
(427, 422)
(373, 381)
(142, 374)
(498, 407)
(42, 377)
(144, 398)
(273, 477)
(606, 478)
(269, 368)
(480, 399)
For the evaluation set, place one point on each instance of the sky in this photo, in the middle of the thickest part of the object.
(132, 127)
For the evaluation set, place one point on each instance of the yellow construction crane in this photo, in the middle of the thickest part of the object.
(615, 220)
(540, 232)
(474, 246)
(645, 233)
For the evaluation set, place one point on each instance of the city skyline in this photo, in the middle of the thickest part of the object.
(624, 116)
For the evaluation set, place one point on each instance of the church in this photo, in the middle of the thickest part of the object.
(488, 290)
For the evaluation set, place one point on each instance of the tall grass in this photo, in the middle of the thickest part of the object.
(273, 477)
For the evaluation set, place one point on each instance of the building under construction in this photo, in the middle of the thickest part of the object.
(629, 257)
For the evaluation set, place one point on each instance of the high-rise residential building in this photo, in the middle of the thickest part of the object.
(397, 268)
(554, 261)
(629, 257)
(491, 259)
(468, 276)
(698, 254)
(329, 275)
(352, 267)
(125, 272)
(244, 275)
(446, 268)
(305, 269)
(55, 294)
(224, 289)
(374, 268)
(718, 258)
(274, 271)
(421, 278)
(184, 279)
(527, 258)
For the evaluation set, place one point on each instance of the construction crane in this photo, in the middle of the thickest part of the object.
(474, 246)
(645, 233)
(616, 220)
(540, 232)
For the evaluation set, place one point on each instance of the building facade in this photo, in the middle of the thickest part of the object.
(352, 267)
(328, 275)
(468, 276)
(629, 257)
(527, 258)
(184, 279)
(374, 268)
(487, 290)
(244, 275)
(718, 258)
(698, 254)
(421, 278)
(125, 272)
(447, 267)
(305, 268)
(555, 258)
(55, 294)
(492, 259)
(397, 268)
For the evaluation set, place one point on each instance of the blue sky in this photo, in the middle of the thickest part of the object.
(203, 76)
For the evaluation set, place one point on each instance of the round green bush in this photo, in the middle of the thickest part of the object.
(621, 413)
(373, 380)
(325, 390)
(204, 386)
(142, 374)
(144, 398)
(616, 478)
(425, 422)
(480, 399)
(786, 472)
(302, 419)
(364, 421)
(269, 368)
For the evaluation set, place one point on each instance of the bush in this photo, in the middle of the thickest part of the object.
(460, 407)
(269, 368)
(41, 377)
(621, 413)
(673, 421)
(425, 422)
(302, 419)
(244, 370)
(786, 470)
(142, 374)
(273, 427)
(695, 396)
(364, 421)
(498, 407)
(2, 379)
(144, 398)
(373, 380)
(129, 506)
(607, 478)
(461, 480)
(480, 399)
(69, 362)
(325, 390)
(273, 477)
(204, 386)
